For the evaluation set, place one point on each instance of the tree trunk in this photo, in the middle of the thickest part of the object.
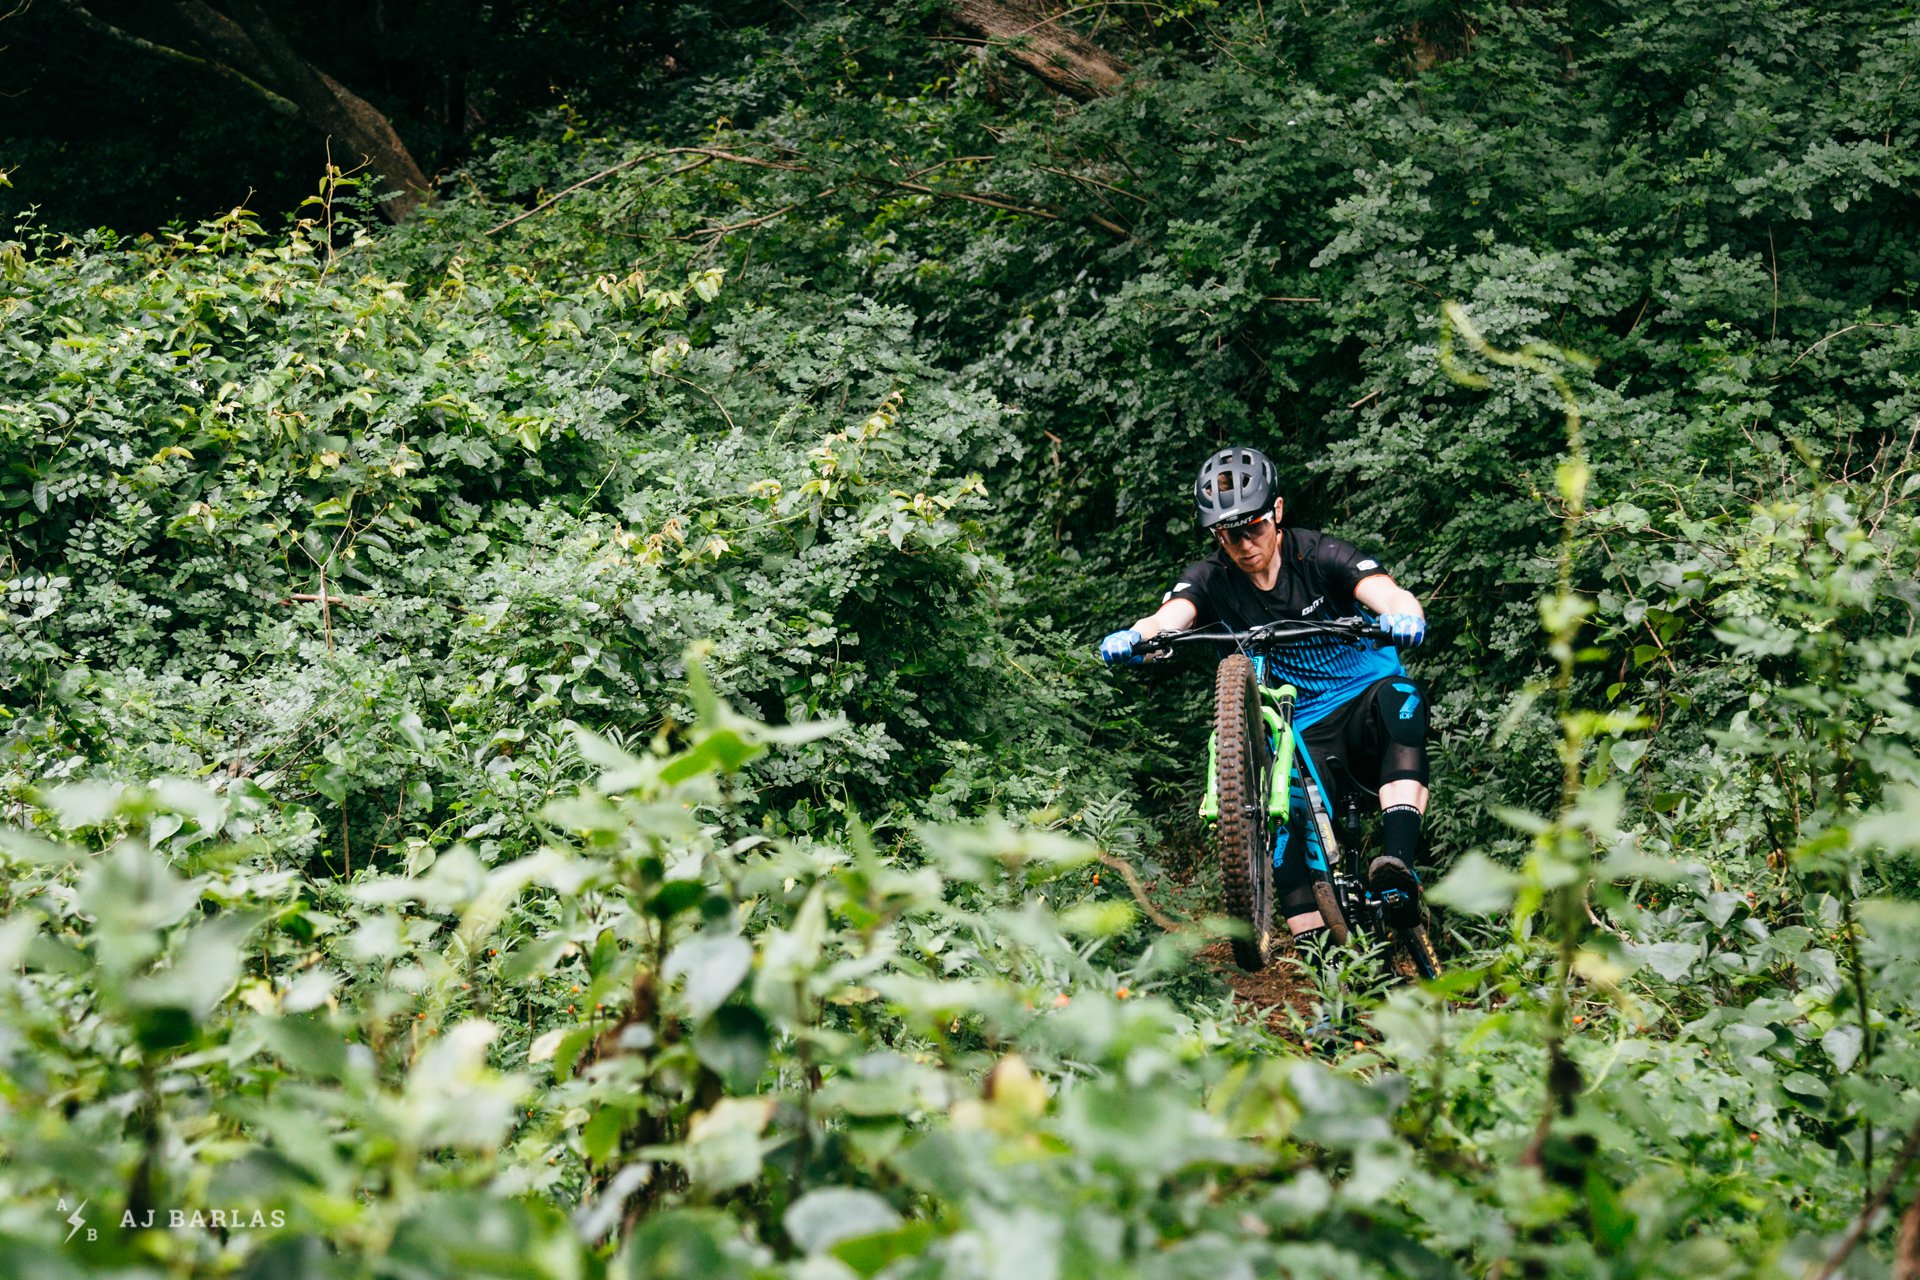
(324, 103)
(371, 137)
(250, 51)
(1037, 40)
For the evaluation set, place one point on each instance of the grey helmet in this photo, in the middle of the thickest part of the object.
(1235, 485)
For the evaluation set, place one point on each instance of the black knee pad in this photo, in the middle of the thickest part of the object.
(1401, 709)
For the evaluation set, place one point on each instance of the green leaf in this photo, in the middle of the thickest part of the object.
(1671, 960)
(159, 1028)
(25, 847)
(1804, 1085)
(1478, 886)
(1626, 753)
(330, 780)
(535, 958)
(205, 964)
(675, 896)
(620, 770)
(804, 731)
(49, 954)
(85, 804)
(1097, 919)
(674, 1244)
(734, 1044)
(1613, 1223)
(825, 1216)
(16, 935)
(1719, 907)
(714, 965)
(1843, 1044)
(716, 751)
(585, 812)
(192, 800)
(1519, 819)
(412, 730)
(309, 1046)
(601, 1136)
(869, 1254)
(724, 1148)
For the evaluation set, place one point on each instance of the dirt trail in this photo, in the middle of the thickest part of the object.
(1269, 993)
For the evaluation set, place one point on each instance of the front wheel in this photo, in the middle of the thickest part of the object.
(1242, 762)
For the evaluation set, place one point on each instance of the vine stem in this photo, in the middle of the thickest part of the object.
(1562, 616)
(1858, 973)
(1858, 1230)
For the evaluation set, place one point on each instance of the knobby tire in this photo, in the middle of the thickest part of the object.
(1240, 766)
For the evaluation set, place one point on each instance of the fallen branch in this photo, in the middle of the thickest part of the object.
(711, 234)
(1065, 61)
(1095, 182)
(278, 103)
(313, 597)
(1593, 917)
(558, 196)
(1139, 892)
(1864, 324)
(991, 201)
(711, 153)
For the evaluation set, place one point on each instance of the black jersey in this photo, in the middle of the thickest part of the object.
(1318, 573)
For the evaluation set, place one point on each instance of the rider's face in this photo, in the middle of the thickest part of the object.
(1252, 547)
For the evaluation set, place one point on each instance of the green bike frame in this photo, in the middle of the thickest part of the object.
(1279, 793)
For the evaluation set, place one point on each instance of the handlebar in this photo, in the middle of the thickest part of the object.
(1286, 631)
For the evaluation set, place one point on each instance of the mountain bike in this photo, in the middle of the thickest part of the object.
(1255, 765)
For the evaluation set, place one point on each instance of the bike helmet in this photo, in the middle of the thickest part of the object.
(1235, 485)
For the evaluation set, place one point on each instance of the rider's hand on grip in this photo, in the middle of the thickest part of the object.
(1407, 629)
(1118, 647)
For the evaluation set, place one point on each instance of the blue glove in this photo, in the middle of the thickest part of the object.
(1408, 629)
(1118, 647)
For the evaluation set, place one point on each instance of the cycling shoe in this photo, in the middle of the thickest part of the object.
(1398, 888)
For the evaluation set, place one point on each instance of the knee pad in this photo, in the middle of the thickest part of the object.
(1401, 709)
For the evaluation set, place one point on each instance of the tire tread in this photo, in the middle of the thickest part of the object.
(1237, 834)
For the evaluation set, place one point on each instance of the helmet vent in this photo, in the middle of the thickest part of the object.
(1236, 484)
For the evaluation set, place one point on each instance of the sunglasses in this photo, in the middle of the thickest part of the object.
(1244, 532)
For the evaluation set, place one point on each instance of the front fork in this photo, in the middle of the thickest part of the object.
(1276, 710)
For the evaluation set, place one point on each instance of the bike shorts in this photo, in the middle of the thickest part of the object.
(1380, 735)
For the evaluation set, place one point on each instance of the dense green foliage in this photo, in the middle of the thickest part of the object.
(568, 745)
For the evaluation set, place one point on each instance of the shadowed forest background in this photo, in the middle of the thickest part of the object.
(551, 556)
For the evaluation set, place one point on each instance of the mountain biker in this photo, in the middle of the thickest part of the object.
(1357, 705)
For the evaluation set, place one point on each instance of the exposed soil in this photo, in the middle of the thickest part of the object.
(1269, 993)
